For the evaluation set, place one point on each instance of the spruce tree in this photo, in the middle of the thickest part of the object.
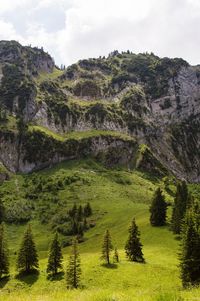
(80, 213)
(190, 249)
(55, 257)
(87, 210)
(158, 209)
(85, 224)
(181, 202)
(116, 256)
(27, 260)
(4, 262)
(133, 247)
(74, 267)
(106, 247)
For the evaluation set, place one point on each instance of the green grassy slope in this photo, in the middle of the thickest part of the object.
(116, 197)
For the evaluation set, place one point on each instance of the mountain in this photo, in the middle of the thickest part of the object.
(140, 111)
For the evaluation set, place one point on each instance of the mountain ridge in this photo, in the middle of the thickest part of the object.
(155, 101)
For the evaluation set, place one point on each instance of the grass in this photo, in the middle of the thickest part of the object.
(116, 197)
(53, 75)
(79, 135)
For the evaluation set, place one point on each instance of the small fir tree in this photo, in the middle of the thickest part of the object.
(27, 259)
(190, 249)
(4, 261)
(158, 209)
(73, 211)
(55, 257)
(133, 247)
(85, 224)
(74, 267)
(182, 201)
(80, 213)
(116, 256)
(87, 210)
(106, 247)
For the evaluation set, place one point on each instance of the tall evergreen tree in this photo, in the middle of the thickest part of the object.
(87, 210)
(80, 213)
(190, 250)
(116, 256)
(158, 209)
(74, 267)
(133, 247)
(27, 259)
(4, 262)
(181, 202)
(55, 257)
(106, 247)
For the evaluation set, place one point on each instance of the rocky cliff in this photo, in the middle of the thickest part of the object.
(150, 100)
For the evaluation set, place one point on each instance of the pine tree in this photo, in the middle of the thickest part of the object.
(182, 201)
(158, 209)
(87, 210)
(133, 247)
(55, 257)
(4, 262)
(106, 247)
(85, 224)
(116, 256)
(27, 259)
(73, 211)
(80, 213)
(74, 267)
(190, 250)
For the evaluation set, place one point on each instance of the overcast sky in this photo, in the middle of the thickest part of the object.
(74, 29)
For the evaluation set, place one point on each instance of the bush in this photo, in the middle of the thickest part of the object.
(17, 211)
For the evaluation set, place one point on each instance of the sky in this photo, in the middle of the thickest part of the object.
(75, 29)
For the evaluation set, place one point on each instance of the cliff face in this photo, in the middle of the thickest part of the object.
(156, 101)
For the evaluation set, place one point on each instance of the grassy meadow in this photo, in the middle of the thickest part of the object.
(116, 196)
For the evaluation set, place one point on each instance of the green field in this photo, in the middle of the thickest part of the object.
(116, 196)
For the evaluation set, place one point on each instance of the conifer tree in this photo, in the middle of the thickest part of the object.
(27, 259)
(106, 247)
(55, 257)
(4, 262)
(85, 224)
(116, 256)
(80, 213)
(133, 247)
(87, 210)
(190, 249)
(73, 211)
(158, 209)
(74, 267)
(182, 201)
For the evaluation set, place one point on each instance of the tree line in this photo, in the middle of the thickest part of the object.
(27, 258)
(185, 222)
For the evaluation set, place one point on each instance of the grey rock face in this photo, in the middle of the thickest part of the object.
(183, 99)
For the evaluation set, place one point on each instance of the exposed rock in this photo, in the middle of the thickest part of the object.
(155, 100)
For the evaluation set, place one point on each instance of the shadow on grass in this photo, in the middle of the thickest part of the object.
(3, 281)
(110, 266)
(59, 276)
(28, 278)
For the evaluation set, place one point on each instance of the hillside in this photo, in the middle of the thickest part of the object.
(115, 196)
(106, 132)
(154, 101)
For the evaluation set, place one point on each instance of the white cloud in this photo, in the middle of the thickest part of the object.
(11, 5)
(7, 30)
(74, 29)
